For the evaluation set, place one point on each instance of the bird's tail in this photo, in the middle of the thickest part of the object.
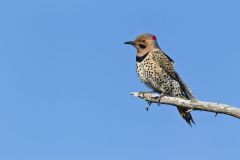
(186, 115)
(184, 112)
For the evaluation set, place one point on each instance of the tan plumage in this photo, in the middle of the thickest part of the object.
(156, 69)
(167, 64)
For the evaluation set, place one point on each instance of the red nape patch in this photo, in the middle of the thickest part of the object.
(154, 38)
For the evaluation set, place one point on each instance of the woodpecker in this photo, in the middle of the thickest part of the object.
(156, 69)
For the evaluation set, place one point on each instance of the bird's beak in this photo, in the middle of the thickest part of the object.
(130, 42)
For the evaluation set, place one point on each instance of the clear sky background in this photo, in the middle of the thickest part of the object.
(66, 79)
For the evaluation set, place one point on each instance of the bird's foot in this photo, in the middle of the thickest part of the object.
(159, 98)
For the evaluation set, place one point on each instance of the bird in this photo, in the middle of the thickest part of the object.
(156, 70)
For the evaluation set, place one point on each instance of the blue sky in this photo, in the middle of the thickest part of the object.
(66, 79)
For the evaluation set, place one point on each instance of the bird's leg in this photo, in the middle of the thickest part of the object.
(159, 98)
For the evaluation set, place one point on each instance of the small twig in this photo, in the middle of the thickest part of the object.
(191, 105)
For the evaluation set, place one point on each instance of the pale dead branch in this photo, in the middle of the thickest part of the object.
(191, 105)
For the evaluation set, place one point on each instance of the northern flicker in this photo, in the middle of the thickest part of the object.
(156, 69)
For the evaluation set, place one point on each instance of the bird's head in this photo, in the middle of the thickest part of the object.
(144, 43)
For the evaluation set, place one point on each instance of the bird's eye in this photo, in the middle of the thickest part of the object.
(142, 46)
(143, 41)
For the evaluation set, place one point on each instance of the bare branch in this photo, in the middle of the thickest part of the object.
(191, 105)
